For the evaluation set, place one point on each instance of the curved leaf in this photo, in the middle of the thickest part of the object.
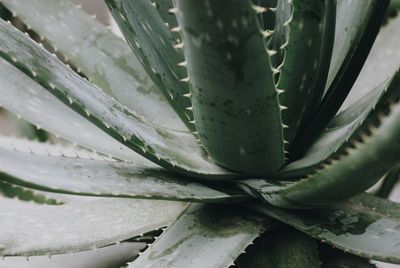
(282, 247)
(103, 178)
(29, 229)
(365, 226)
(342, 128)
(153, 43)
(372, 151)
(176, 150)
(102, 57)
(365, 19)
(307, 54)
(24, 97)
(204, 236)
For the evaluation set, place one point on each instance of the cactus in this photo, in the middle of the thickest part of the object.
(250, 128)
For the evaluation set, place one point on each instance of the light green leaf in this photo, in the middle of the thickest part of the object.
(176, 150)
(105, 59)
(383, 61)
(29, 229)
(24, 97)
(78, 176)
(365, 226)
(205, 236)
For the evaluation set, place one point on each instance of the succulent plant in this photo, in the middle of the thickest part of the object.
(251, 129)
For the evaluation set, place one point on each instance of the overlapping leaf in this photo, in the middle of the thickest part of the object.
(29, 229)
(102, 57)
(176, 150)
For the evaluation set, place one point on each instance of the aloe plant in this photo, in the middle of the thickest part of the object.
(250, 129)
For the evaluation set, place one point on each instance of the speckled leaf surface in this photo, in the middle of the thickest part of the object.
(24, 97)
(365, 225)
(78, 176)
(235, 102)
(345, 125)
(365, 20)
(154, 44)
(371, 151)
(307, 54)
(205, 236)
(29, 229)
(105, 59)
(176, 150)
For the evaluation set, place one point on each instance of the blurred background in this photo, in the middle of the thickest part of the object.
(109, 257)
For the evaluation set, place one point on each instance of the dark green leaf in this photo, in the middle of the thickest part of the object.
(235, 103)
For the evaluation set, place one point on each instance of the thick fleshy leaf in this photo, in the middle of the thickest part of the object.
(360, 21)
(24, 97)
(176, 150)
(365, 226)
(282, 247)
(154, 44)
(205, 236)
(382, 63)
(372, 151)
(307, 54)
(102, 57)
(345, 125)
(235, 103)
(78, 176)
(29, 229)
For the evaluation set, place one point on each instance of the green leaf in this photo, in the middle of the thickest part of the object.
(283, 247)
(205, 236)
(29, 229)
(365, 226)
(346, 124)
(277, 42)
(105, 59)
(310, 34)
(24, 97)
(382, 63)
(92, 177)
(334, 258)
(165, 9)
(176, 150)
(361, 22)
(235, 103)
(155, 46)
(372, 151)
(389, 182)
(12, 191)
